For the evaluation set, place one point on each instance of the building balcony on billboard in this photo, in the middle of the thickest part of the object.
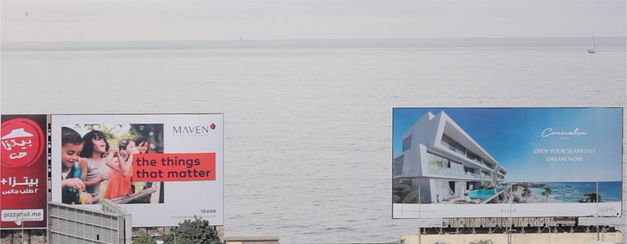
(460, 150)
(445, 172)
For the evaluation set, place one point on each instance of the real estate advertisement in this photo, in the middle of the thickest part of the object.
(23, 172)
(161, 168)
(502, 162)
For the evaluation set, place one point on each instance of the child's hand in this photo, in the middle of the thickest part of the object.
(109, 155)
(123, 154)
(85, 198)
(103, 177)
(114, 151)
(74, 183)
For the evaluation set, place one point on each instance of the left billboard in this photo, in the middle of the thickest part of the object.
(23, 172)
(162, 168)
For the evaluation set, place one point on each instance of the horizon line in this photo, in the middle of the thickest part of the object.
(331, 39)
(390, 43)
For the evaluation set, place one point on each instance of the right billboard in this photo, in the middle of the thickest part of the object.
(506, 162)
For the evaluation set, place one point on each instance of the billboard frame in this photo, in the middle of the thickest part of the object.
(221, 174)
(509, 207)
(46, 155)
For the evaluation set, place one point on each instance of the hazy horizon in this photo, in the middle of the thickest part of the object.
(142, 20)
(563, 42)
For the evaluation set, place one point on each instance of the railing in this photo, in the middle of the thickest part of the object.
(469, 174)
(455, 149)
(464, 153)
(438, 170)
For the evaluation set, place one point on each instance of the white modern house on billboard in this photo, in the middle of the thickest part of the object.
(444, 164)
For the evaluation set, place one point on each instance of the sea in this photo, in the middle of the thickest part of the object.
(573, 192)
(308, 123)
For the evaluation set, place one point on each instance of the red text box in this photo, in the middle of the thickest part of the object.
(174, 167)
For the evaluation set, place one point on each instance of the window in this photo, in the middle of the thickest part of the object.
(451, 186)
(452, 144)
(406, 143)
(406, 182)
(473, 156)
(397, 167)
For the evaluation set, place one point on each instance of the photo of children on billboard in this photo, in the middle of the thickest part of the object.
(97, 163)
(161, 168)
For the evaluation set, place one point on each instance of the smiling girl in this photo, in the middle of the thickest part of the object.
(120, 183)
(96, 159)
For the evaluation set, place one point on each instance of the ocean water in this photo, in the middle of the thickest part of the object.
(572, 192)
(308, 130)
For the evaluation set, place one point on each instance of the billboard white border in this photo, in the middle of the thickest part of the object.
(56, 121)
(418, 211)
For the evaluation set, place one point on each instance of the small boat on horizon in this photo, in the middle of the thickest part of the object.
(592, 49)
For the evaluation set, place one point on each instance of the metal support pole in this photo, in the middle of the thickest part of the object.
(22, 222)
(597, 200)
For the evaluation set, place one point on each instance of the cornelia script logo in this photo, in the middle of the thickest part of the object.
(193, 130)
(548, 132)
(23, 142)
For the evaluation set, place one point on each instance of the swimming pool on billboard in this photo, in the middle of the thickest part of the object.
(439, 162)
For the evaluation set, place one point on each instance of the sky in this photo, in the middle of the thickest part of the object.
(150, 20)
(511, 135)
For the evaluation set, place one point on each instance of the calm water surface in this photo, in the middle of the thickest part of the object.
(308, 130)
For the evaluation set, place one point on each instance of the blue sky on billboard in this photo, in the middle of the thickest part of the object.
(514, 137)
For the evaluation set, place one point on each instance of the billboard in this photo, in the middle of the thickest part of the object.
(507, 162)
(161, 168)
(23, 172)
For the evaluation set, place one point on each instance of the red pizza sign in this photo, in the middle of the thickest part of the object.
(23, 142)
(23, 172)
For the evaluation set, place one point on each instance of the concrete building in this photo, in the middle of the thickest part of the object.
(444, 163)
(75, 224)
(519, 235)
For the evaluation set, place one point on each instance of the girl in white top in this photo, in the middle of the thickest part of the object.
(96, 159)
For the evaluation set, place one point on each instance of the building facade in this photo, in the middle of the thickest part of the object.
(77, 224)
(444, 164)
